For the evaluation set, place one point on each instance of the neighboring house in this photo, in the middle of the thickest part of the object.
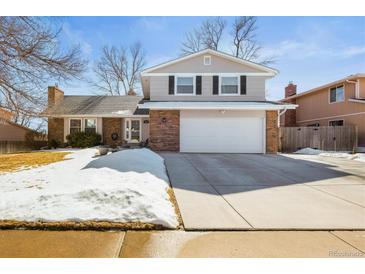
(338, 103)
(10, 131)
(204, 102)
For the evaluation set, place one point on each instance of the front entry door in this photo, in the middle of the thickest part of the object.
(133, 130)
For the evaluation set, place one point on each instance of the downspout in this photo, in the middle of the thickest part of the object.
(357, 89)
(281, 113)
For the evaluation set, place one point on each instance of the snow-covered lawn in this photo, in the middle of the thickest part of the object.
(310, 151)
(126, 186)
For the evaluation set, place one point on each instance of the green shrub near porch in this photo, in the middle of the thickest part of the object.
(83, 139)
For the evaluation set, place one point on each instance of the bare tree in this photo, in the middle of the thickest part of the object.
(208, 35)
(118, 70)
(192, 43)
(244, 42)
(30, 58)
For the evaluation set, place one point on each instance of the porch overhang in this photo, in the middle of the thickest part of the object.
(196, 105)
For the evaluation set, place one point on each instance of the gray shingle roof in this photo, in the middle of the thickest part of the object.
(97, 105)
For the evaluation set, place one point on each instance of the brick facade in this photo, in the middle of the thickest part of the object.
(110, 126)
(289, 118)
(272, 131)
(56, 129)
(165, 130)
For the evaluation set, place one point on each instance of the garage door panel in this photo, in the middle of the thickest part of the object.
(212, 132)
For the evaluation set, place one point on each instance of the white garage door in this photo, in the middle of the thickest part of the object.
(222, 131)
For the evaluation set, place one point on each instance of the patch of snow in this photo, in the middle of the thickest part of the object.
(125, 186)
(308, 151)
(335, 154)
(123, 112)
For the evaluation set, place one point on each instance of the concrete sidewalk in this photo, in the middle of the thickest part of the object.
(173, 244)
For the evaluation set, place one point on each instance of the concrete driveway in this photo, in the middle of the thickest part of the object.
(251, 191)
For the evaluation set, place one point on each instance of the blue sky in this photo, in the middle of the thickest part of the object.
(309, 50)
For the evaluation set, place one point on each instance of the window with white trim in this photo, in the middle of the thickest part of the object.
(336, 123)
(207, 60)
(185, 85)
(337, 94)
(90, 125)
(229, 85)
(75, 125)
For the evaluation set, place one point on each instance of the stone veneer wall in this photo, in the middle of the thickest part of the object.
(272, 131)
(165, 130)
(55, 129)
(110, 126)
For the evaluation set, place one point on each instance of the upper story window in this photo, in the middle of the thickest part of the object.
(335, 123)
(207, 60)
(90, 125)
(229, 85)
(75, 125)
(185, 85)
(337, 94)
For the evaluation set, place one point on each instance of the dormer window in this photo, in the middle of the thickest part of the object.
(207, 60)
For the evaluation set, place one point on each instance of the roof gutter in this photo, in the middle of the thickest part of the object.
(222, 107)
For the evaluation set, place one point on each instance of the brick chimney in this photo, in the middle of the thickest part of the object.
(290, 90)
(55, 96)
(290, 116)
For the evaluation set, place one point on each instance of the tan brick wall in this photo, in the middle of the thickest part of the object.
(55, 96)
(165, 130)
(272, 131)
(110, 126)
(55, 129)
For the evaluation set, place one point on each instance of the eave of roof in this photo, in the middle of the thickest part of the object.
(269, 70)
(214, 105)
(351, 77)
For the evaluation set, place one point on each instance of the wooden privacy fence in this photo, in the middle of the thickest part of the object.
(329, 138)
(17, 146)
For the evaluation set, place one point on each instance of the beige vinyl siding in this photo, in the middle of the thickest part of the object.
(255, 90)
(362, 88)
(99, 125)
(316, 105)
(196, 65)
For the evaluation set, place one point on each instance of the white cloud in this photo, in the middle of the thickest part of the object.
(314, 40)
(152, 23)
(75, 37)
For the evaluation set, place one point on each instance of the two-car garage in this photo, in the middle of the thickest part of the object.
(222, 131)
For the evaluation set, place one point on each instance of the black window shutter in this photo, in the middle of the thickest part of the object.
(198, 85)
(215, 84)
(243, 84)
(171, 84)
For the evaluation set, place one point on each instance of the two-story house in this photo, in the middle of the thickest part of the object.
(338, 103)
(208, 101)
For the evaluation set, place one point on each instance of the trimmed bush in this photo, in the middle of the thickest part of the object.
(83, 139)
(53, 143)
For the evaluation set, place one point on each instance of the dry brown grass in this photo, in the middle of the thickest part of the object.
(83, 225)
(25, 160)
(172, 198)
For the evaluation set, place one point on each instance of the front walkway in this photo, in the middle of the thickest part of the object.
(252, 191)
(88, 244)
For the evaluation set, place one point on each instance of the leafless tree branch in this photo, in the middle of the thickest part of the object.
(118, 70)
(208, 35)
(30, 58)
